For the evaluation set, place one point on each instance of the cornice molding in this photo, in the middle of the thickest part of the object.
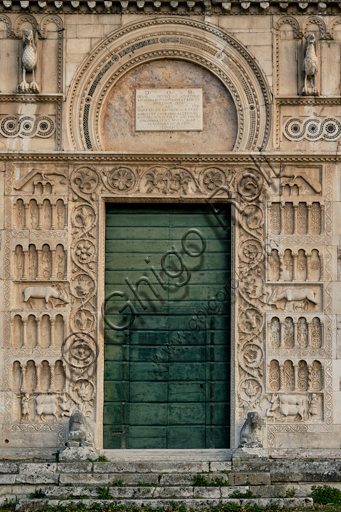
(193, 7)
(106, 157)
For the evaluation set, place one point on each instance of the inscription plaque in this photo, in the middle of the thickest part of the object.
(168, 110)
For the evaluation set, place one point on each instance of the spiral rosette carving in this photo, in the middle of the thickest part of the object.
(27, 127)
(296, 129)
(121, 180)
(80, 350)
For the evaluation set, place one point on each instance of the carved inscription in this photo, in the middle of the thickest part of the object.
(168, 110)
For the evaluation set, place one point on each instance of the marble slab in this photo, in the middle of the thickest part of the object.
(168, 110)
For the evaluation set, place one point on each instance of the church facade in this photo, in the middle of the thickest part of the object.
(186, 148)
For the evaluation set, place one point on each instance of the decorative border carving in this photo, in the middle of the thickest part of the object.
(239, 74)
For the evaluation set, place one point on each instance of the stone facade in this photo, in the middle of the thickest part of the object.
(269, 144)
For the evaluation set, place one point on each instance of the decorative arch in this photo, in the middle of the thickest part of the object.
(315, 20)
(170, 38)
(20, 20)
(289, 20)
(7, 22)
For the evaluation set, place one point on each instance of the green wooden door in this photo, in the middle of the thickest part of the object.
(167, 331)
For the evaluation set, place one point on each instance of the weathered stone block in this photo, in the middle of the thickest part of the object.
(221, 466)
(7, 479)
(75, 467)
(37, 479)
(252, 478)
(37, 468)
(173, 492)
(206, 492)
(84, 479)
(8, 467)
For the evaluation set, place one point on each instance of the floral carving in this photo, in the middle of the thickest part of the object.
(121, 179)
(213, 179)
(168, 182)
(85, 251)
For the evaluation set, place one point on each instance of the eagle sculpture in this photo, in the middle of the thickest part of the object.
(310, 68)
(29, 63)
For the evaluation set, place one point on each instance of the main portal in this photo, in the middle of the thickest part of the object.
(167, 327)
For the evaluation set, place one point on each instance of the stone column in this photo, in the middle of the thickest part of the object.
(294, 321)
(26, 216)
(53, 264)
(308, 217)
(295, 218)
(281, 221)
(38, 320)
(308, 257)
(40, 207)
(52, 321)
(322, 214)
(281, 377)
(38, 264)
(294, 266)
(24, 339)
(53, 215)
(26, 264)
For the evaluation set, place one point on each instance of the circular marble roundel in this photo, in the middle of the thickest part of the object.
(117, 122)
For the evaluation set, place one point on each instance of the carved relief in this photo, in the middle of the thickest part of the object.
(38, 330)
(274, 376)
(296, 298)
(43, 214)
(310, 66)
(29, 63)
(288, 379)
(295, 218)
(274, 266)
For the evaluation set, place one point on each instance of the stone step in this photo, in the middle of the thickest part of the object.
(264, 491)
(26, 504)
(135, 478)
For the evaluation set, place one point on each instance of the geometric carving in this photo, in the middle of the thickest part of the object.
(302, 333)
(274, 266)
(302, 376)
(315, 333)
(288, 333)
(296, 129)
(289, 218)
(275, 332)
(288, 381)
(274, 376)
(288, 265)
(27, 127)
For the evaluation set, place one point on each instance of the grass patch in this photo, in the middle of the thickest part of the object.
(326, 495)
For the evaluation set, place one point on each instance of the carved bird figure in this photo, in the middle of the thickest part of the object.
(310, 65)
(29, 63)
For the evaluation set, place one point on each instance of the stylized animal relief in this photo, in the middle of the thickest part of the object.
(47, 293)
(37, 384)
(289, 218)
(296, 182)
(295, 298)
(310, 66)
(292, 408)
